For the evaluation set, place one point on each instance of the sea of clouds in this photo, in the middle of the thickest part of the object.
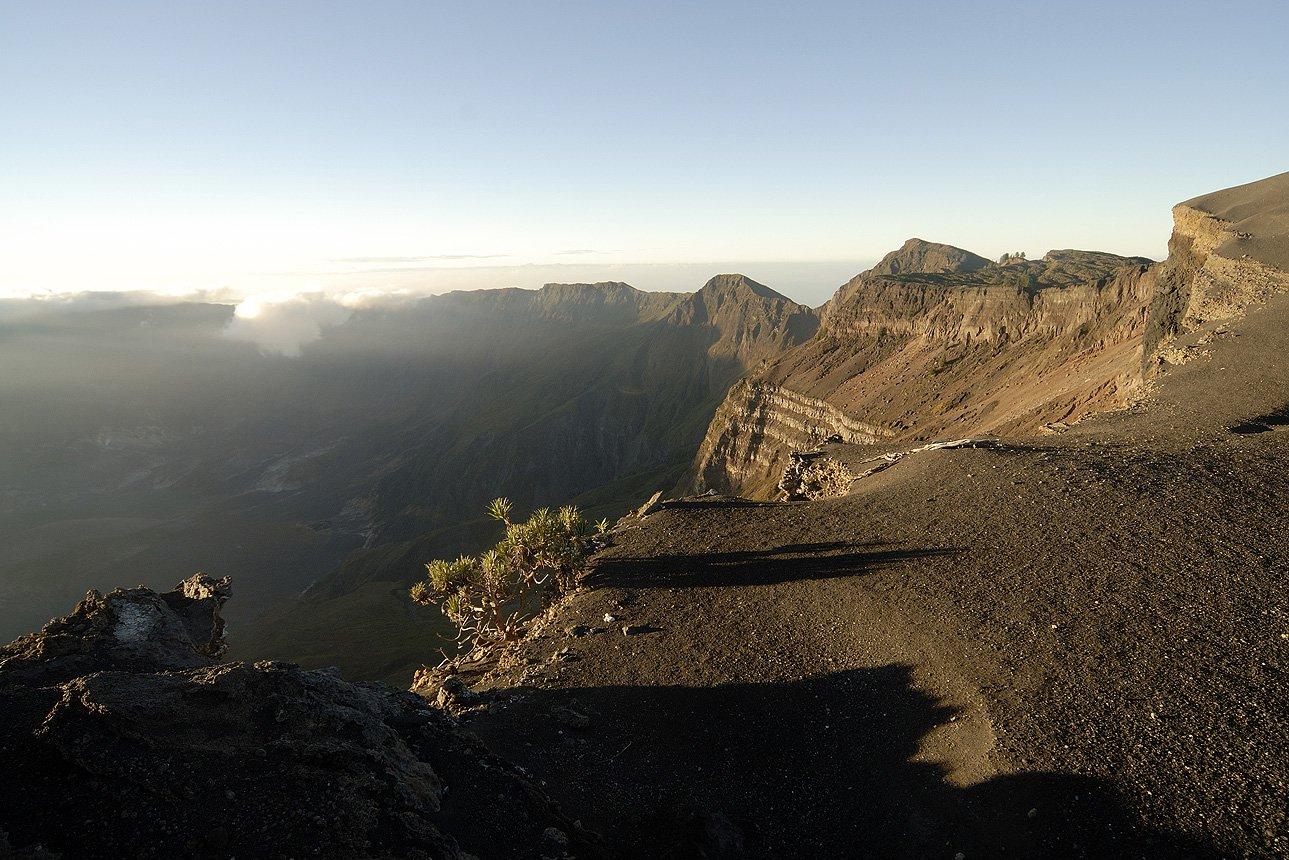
(295, 310)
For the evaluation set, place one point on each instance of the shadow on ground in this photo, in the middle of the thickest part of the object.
(754, 567)
(822, 767)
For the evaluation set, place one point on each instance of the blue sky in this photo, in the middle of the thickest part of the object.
(259, 146)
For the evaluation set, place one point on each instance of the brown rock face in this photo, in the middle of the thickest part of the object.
(120, 737)
(916, 256)
(970, 347)
(935, 342)
(752, 321)
(1217, 267)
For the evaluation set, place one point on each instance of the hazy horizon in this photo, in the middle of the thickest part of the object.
(421, 148)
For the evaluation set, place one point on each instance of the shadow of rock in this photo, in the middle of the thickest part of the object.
(756, 567)
(823, 767)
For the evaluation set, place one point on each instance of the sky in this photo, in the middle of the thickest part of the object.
(269, 148)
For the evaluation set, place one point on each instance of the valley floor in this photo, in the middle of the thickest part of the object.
(1068, 646)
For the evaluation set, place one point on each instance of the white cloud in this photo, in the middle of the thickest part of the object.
(283, 322)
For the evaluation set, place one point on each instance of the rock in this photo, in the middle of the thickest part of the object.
(129, 629)
(635, 629)
(813, 475)
(122, 737)
(572, 718)
(654, 504)
(455, 693)
(609, 618)
(577, 630)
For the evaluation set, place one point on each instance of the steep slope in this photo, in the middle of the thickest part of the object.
(598, 407)
(1071, 645)
(140, 443)
(967, 347)
(1227, 251)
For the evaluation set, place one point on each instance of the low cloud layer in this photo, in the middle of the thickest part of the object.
(17, 306)
(285, 322)
(283, 312)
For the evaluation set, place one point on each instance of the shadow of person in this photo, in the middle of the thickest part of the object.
(827, 766)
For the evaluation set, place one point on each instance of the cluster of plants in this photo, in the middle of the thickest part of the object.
(489, 596)
(1010, 257)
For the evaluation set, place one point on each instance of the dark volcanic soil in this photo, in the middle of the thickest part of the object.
(1071, 646)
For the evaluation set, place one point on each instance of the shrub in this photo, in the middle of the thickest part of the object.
(488, 596)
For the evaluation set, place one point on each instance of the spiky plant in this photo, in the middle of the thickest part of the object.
(499, 509)
(487, 596)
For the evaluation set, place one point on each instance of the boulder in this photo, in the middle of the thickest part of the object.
(121, 736)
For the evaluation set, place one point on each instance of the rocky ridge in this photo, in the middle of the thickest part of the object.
(1053, 645)
(121, 735)
(924, 355)
(1216, 269)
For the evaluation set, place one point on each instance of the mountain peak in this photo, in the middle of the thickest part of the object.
(923, 257)
(731, 284)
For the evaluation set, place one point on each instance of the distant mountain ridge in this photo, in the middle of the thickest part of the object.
(151, 438)
(140, 438)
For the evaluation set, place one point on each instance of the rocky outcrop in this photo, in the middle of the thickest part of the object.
(965, 348)
(1228, 251)
(120, 736)
(758, 427)
(913, 257)
(814, 475)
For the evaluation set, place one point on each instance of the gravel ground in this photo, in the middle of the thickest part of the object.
(1067, 646)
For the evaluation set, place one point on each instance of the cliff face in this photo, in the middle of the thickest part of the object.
(1227, 252)
(936, 342)
(758, 426)
(966, 348)
(599, 381)
(592, 394)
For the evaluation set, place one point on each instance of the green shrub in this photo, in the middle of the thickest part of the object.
(489, 596)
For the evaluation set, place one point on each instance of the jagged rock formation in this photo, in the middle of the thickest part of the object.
(761, 420)
(935, 341)
(964, 348)
(913, 257)
(1223, 256)
(120, 736)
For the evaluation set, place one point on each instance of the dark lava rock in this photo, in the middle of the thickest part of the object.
(571, 717)
(120, 736)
